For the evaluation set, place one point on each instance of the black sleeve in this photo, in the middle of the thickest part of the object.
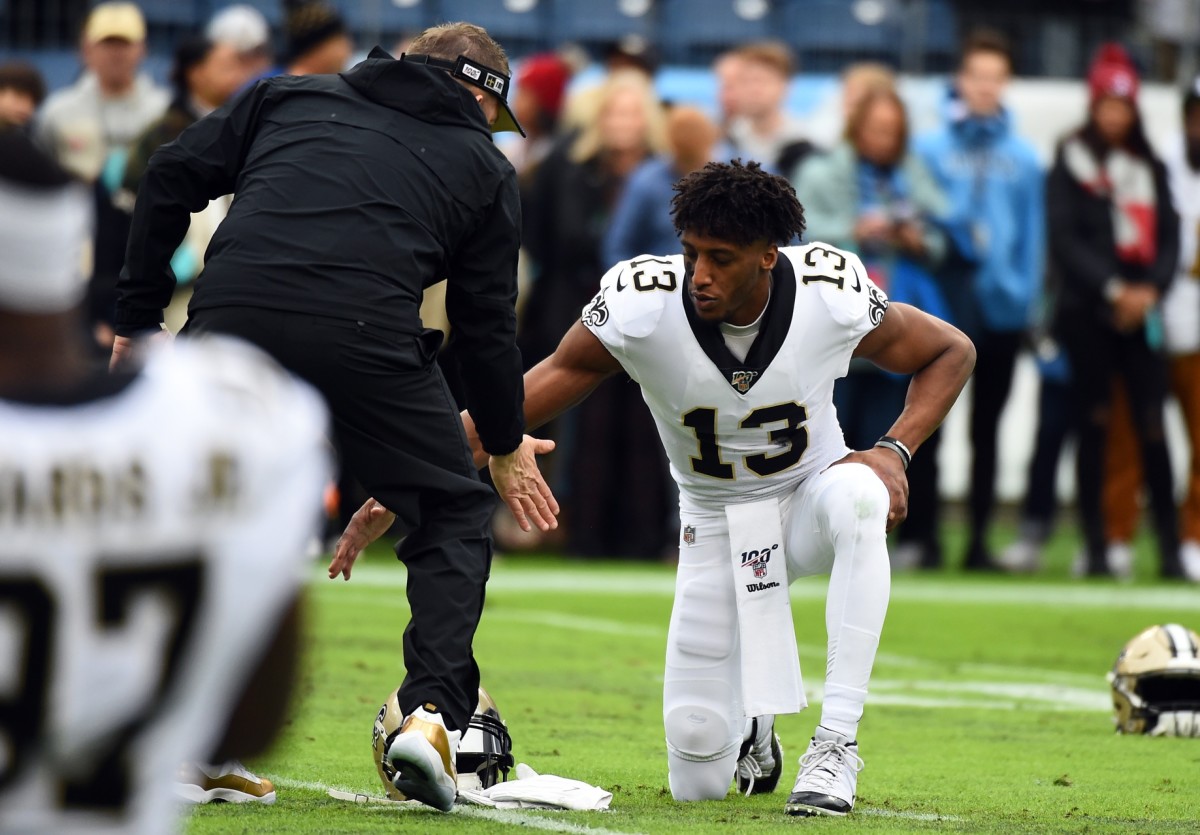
(1162, 271)
(1081, 262)
(481, 296)
(182, 176)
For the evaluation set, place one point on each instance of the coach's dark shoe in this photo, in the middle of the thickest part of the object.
(760, 763)
(828, 777)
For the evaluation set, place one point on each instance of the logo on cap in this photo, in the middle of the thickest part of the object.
(495, 84)
(473, 72)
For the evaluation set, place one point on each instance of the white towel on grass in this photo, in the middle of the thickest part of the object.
(770, 660)
(540, 791)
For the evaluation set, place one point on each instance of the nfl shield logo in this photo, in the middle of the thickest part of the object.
(689, 535)
(742, 380)
(760, 570)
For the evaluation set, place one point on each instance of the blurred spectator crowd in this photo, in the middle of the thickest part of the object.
(1090, 266)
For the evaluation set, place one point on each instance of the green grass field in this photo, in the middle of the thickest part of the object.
(989, 708)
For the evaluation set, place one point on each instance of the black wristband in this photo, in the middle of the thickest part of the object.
(897, 446)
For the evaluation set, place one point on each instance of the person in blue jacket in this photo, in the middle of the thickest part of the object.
(994, 183)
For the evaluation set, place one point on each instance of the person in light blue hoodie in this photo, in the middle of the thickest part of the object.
(994, 183)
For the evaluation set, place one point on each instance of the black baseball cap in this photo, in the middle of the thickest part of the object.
(480, 75)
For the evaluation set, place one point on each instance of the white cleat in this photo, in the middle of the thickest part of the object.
(828, 777)
(760, 763)
(1021, 557)
(423, 756)
(1189, 555)
(1120, 560)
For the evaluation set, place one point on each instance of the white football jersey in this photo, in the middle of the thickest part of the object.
(740, 431)
(151, 538)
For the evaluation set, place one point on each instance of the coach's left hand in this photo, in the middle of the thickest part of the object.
(368, 523)
(520, 484)
(888, 467)
(126, 348)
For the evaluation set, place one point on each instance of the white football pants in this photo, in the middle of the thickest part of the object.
(834, 523)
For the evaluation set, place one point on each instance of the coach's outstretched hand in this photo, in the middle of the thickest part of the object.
(126, 348)
(368, 523)
(888, 467)
(520, 484)
(516, 477)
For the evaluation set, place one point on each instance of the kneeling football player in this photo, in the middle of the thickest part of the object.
(736, 344)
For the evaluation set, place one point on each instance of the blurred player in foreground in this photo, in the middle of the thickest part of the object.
(152, 531)
(736, 345)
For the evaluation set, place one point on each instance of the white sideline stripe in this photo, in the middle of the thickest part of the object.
(1062, 595)
(508, 816)
(911, 816)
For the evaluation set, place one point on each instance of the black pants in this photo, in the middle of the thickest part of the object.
(996, 357)
(399, 434)
(922, 527)
(618, 502)
(868, 401)
(1096, 352)
(1054, 425)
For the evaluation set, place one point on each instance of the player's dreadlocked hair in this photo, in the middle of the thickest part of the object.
(739, 203)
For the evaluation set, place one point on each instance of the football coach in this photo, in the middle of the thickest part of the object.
(353, 193)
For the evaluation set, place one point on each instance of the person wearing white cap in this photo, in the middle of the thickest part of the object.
(90, 127)
(246, 30)
(111, 103)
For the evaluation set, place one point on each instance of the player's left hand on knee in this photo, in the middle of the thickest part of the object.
(887, 465)
(520, 484)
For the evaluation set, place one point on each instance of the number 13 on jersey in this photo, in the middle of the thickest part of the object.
(791, 438)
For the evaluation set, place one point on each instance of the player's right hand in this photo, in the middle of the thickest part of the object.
(520, 484)
(368, 523)
(888, 467)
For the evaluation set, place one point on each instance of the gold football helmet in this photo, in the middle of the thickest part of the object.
(484, 753)
(387, 725)
(1156, 683)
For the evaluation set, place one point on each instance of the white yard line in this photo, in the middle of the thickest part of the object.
(1060, 681)
(560, 620)
(511, 817)
(1008, 695)
(904, 589)
(516, 818)
(911, 816)
(548, 824)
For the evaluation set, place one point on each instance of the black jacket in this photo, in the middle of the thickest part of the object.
(1083, 246)
(353, 193)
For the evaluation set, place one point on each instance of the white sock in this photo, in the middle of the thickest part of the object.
(859, 587)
